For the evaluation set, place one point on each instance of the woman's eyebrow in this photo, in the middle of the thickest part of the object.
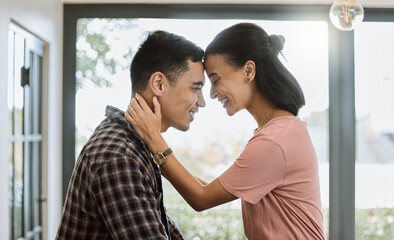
(211, 74)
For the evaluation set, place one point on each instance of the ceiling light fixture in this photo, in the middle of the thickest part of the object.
(346, 14)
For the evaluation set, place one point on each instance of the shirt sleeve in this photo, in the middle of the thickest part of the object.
(257, 171)
(126, 201)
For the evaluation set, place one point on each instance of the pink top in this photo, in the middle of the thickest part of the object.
(277, 178)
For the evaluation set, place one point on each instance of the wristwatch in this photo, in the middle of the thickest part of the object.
(160, 157)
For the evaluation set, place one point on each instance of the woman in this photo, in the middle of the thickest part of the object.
(276, 175)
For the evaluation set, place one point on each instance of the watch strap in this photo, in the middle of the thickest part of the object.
(167, 152)
(160, 157)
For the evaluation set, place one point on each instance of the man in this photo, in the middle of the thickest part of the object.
(115, 191)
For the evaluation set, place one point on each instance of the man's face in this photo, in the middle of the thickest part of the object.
(181, 101)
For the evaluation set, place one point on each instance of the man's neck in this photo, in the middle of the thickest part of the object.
(148, 97)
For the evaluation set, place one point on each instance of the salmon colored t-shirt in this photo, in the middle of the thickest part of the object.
(277, 178)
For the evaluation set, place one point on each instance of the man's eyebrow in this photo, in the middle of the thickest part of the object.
(199, 83)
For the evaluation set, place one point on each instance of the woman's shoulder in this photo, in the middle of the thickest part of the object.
(279, 128)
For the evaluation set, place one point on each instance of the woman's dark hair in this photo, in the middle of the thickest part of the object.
(246, 41)
(164, 52)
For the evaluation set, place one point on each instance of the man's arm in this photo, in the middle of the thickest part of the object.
(126, 200)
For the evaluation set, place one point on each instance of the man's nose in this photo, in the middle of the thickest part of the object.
(200, 100)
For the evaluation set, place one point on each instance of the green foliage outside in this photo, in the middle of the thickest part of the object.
(226, 223)
(217, 223)
(95, 59)
(376, 224)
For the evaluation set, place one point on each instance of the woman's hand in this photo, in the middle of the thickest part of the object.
(145, 122)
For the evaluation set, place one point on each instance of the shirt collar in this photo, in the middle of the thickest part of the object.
(116, 113)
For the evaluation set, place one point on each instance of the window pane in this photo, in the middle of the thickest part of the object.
(37, 185)
(35, 95)
(10, 92)
(28, 186)
(105, 48)
(37, 92)
(11, 188)
(374, 51)
(18, 190)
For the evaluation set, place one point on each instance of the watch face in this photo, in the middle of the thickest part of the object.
(158, 158)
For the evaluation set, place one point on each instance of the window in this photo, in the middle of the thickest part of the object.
(341, 113)
(25, 118)
(374, 88)
(104, 49)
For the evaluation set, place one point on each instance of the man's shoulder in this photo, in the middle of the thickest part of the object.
(112, 139)
(109, 133)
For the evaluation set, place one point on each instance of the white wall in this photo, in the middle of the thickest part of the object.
(43, 18)
(3, 125)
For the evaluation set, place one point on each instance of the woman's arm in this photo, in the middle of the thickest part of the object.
(202, 182)
(198, 194)
(200, 197)
(198, 179)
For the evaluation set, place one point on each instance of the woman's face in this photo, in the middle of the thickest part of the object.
(228, 83)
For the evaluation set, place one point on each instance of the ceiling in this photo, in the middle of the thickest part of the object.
(364, 3)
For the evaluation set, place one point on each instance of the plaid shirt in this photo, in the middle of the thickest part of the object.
(115, 189)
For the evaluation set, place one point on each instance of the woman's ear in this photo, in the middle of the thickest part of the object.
(250, 70)
(156, 83)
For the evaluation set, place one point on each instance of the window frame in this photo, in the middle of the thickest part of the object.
(341, 83)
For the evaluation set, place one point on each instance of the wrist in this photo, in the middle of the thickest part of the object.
(157, 144)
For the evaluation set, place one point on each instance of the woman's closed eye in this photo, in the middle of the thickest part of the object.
(215, 81)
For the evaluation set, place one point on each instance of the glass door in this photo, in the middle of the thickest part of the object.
(25, 144)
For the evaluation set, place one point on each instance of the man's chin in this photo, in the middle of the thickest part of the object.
(183, 128)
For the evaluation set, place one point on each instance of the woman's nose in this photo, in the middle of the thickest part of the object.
(213, 92)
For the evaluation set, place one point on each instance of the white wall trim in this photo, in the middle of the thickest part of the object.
(4, 130)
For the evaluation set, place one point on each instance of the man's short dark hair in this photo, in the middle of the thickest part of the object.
(162, 52)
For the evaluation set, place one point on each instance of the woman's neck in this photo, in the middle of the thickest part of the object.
(263, 111)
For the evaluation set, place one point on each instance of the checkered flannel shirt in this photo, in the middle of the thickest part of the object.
(114, 191)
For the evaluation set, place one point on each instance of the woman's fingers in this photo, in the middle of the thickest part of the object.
(144, 121)
(135, 105)
(128, 113)
(156, 106)
(134, 111)
(142, 102)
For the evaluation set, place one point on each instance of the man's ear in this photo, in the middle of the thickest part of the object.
(157, 83)
(250, 70)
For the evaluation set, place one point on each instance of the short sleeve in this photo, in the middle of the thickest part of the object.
(257, 171)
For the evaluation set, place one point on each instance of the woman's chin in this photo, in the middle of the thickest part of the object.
(230, 112)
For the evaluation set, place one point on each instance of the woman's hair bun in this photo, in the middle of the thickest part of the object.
(277, 41)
